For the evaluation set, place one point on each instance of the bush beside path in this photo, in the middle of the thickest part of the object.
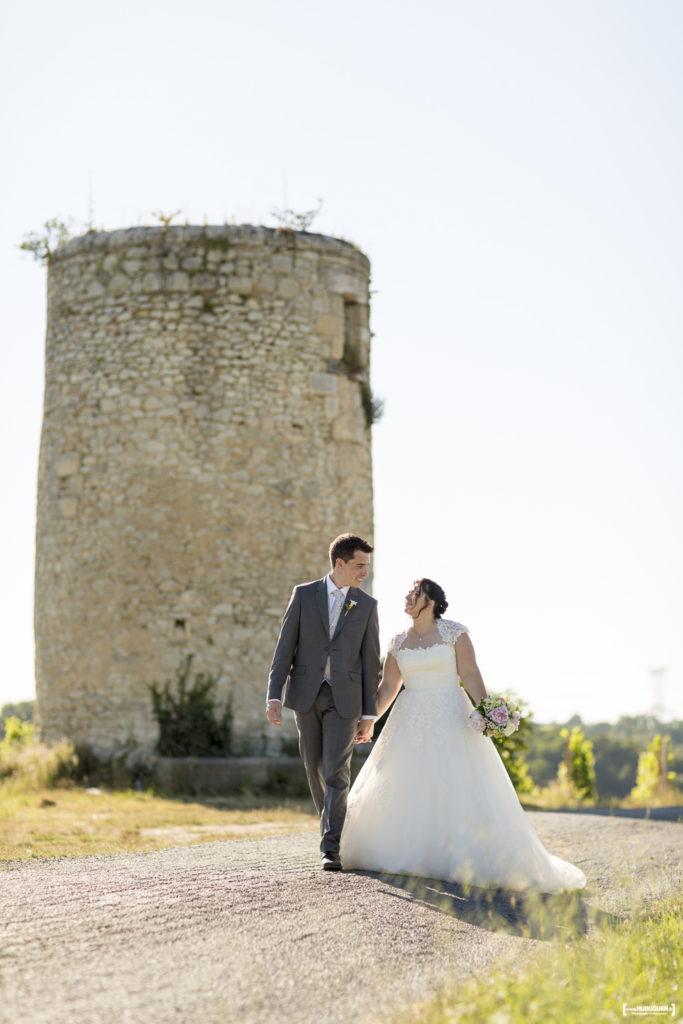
(251, 930)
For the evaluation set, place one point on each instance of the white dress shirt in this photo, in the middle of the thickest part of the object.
(333, 589)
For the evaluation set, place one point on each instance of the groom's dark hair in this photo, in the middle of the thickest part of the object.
(345, 546)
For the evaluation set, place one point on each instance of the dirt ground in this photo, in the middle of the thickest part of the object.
(252, 931)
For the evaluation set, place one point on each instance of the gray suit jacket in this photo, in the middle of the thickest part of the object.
(304, 644)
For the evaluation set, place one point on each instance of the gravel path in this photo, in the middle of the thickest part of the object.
(252, 931)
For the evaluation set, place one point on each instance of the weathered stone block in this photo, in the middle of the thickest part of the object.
(282, 263)
(288, 288)
(327, 325)
(152, 282)
(178, 281)
(226, 774)
(351, 286)
(119, 285)
(241, 285)
(348, 427)
(110, 262)
(324, 383)
(66, 465)
(265, 284)
(95, 290)
(68, 507)
(204, 282)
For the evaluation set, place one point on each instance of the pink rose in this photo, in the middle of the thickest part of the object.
(500, 715)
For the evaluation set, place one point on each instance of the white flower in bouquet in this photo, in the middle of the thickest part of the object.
(477, 722)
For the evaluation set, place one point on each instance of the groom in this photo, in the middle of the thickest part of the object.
(328, 652)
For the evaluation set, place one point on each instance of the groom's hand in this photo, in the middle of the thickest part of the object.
(364, 731)
(274, 712)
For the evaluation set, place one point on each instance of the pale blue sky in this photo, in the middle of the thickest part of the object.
(513, 170)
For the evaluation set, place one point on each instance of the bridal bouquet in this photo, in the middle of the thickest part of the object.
(495, 717)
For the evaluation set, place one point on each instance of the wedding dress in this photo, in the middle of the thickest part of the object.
(434, 799)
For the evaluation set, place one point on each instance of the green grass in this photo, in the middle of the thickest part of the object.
(636, 962)
(72, 821)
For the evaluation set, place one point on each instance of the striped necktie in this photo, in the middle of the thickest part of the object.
(334, 619)
(336, 609)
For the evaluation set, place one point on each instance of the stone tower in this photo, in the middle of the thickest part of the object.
(206, 433)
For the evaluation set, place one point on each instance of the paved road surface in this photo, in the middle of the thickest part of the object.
(251, 931)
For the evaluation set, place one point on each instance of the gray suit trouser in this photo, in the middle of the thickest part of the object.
(326, 745)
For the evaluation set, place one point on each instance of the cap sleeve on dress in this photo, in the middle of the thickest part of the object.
(395, 643)
(450, 631)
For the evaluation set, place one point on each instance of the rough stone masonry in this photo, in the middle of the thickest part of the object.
(206, 432)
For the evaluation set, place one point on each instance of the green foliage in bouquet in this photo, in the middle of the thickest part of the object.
(190, 725)
(512, 749)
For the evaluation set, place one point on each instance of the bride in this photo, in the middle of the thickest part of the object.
(433, 798)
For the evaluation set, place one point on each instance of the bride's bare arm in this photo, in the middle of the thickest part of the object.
(390, 685)
(468, 670)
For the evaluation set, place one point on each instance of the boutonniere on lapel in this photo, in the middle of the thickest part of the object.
(348, 606)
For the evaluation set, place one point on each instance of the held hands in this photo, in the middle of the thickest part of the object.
(274, 712)
(364, 731)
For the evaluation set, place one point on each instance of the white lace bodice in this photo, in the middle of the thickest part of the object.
(448, 631)
(432, 665)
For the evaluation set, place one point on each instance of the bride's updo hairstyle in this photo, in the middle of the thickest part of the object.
(433, 592)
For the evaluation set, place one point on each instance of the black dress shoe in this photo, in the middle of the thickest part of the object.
(331, 862)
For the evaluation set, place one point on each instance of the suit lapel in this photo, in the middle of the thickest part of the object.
(321, 598)
(351, 596)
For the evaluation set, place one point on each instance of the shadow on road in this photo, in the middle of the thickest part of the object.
(552, 917)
